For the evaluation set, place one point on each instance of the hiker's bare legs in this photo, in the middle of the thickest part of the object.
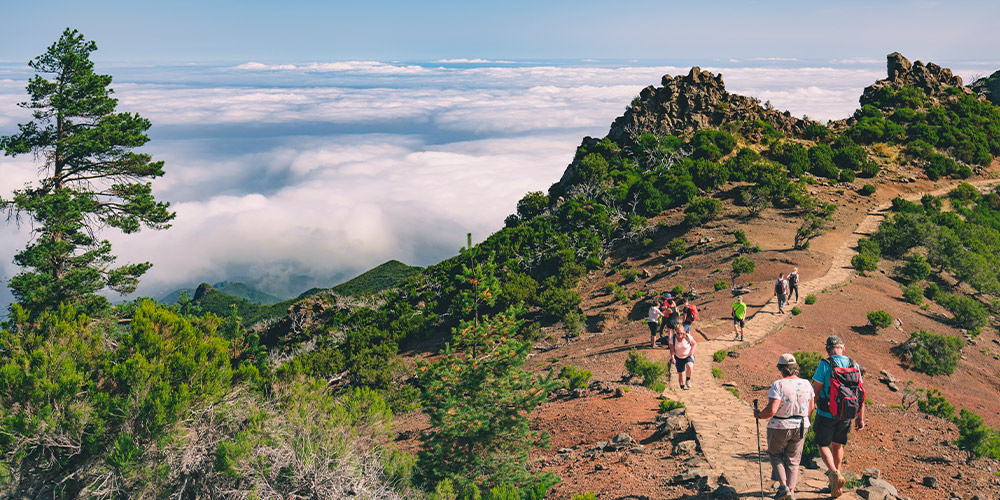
(832, 456)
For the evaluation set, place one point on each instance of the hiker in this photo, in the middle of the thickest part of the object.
(668, 306)
(781, 291)
(655, 315)
(682, 347)
(690, 314)
(789, 403)
(831, 430)
(793, 284)
(673, 318)
(739, 313)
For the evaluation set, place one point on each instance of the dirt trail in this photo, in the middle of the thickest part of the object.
(724, 424)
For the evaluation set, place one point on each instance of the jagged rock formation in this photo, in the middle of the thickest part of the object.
(931, 78)
(688, 103)
(988, 87)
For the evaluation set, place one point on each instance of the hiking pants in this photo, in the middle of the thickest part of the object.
(793, 288)
(784, 449)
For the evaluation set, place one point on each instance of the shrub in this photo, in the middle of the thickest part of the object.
(879, 319)
(916, 268)
(796, 311)
(865, 261)
(720, 355)
(743, 265)
(976, 437)
(968, 313)
(576, 378)
(913, 294)
(677, 246)
(867, 190)
(869, 169)
(667, 405)
(638, 366)
(719, 285)
(935, 354)
(584, 496)
(716, 372)
(810, 299)
(677, 291)
(846, 176)
(629, 274)
(611, 288)
(807, 361)
(932, 291)
(702, 210)
(734, 391)
(935, 404)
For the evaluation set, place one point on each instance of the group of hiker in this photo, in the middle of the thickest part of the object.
(835, 392)
(675, 315)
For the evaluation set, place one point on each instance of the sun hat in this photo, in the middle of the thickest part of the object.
(786, 359)
(834, 341)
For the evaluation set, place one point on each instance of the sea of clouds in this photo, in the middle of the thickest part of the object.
(291, 176)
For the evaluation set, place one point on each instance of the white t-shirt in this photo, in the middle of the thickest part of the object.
(682, 344)
(654, 314)
(794, 395)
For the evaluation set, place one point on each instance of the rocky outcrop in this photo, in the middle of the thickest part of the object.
(691, 102)
(988, 87)
(934, 80)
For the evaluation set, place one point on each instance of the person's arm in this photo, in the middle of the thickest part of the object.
(693, 343)
(768, 411)
(817, 387)
(859, 423)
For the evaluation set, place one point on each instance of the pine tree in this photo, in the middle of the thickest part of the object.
(91, 179)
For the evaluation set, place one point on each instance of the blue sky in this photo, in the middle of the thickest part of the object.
(182, 31)
(305, 144)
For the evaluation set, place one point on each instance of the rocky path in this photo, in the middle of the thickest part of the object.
(725, 426)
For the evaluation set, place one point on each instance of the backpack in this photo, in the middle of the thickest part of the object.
(692, 312)
(793, 279)
(779, 287)
(847, 393)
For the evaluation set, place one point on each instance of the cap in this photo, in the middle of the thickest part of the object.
(786, 359)
(739, 297)
(669, 296)
(834, 341)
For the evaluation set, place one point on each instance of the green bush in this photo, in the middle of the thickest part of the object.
(677, 247)
(650, 371)
(931, 291)
(576, 378)
(865, 261)
(976, 437)
(702, 210)
(584, 496)
(668, 404)
(611, 288)
(720, 355)
(677, 291)
(916, 268)
(719, 285)
(879, 319)
(968, 312)
(846, 176)
(807, 361)
(716, 372)
(869, 169)
(796, 311)
(629, 274)
(934, 403)
(913, 294)
(810, 299)
(734, 391)
(935, 354)
(867, 190)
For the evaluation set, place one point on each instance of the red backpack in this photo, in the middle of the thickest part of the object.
(692, 312)
(847, 393)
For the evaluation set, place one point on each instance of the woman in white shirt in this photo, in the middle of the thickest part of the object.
(789, 404)
(654, 323)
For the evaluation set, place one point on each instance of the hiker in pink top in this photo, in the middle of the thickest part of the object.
(682, 347)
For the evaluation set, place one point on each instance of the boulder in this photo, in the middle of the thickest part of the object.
(725, 492)
(685, 448)
(687, 476)
(930, 482)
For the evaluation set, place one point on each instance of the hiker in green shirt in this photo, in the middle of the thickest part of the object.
(739, 313)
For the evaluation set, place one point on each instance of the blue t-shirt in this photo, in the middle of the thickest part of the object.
(823, 375)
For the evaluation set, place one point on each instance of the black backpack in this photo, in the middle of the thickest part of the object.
(793, 279)
(847, 393)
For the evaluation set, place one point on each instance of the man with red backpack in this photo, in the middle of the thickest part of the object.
(840, 398)
(690, 314)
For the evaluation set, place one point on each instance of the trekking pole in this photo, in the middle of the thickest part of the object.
(760, 467)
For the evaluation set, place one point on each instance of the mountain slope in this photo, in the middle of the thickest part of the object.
(233, 289)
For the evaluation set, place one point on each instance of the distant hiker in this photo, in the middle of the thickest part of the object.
(673, 318)
(682, 347)
(689, 315)
(840, 397)
(739, 313)
(789, 403)
(781, 291)
(655, 315)
(793, 284)
(668, 306)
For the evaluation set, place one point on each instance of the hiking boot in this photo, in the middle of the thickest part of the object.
(782, 493)
(837, 482)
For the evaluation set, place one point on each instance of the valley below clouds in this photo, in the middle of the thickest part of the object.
(291, 176)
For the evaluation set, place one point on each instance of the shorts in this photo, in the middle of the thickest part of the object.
(687, 327)
(681, 363)
(739, 321)
(831, 430)
(653, 327)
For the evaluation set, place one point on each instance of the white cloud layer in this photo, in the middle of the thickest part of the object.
(327, 169)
